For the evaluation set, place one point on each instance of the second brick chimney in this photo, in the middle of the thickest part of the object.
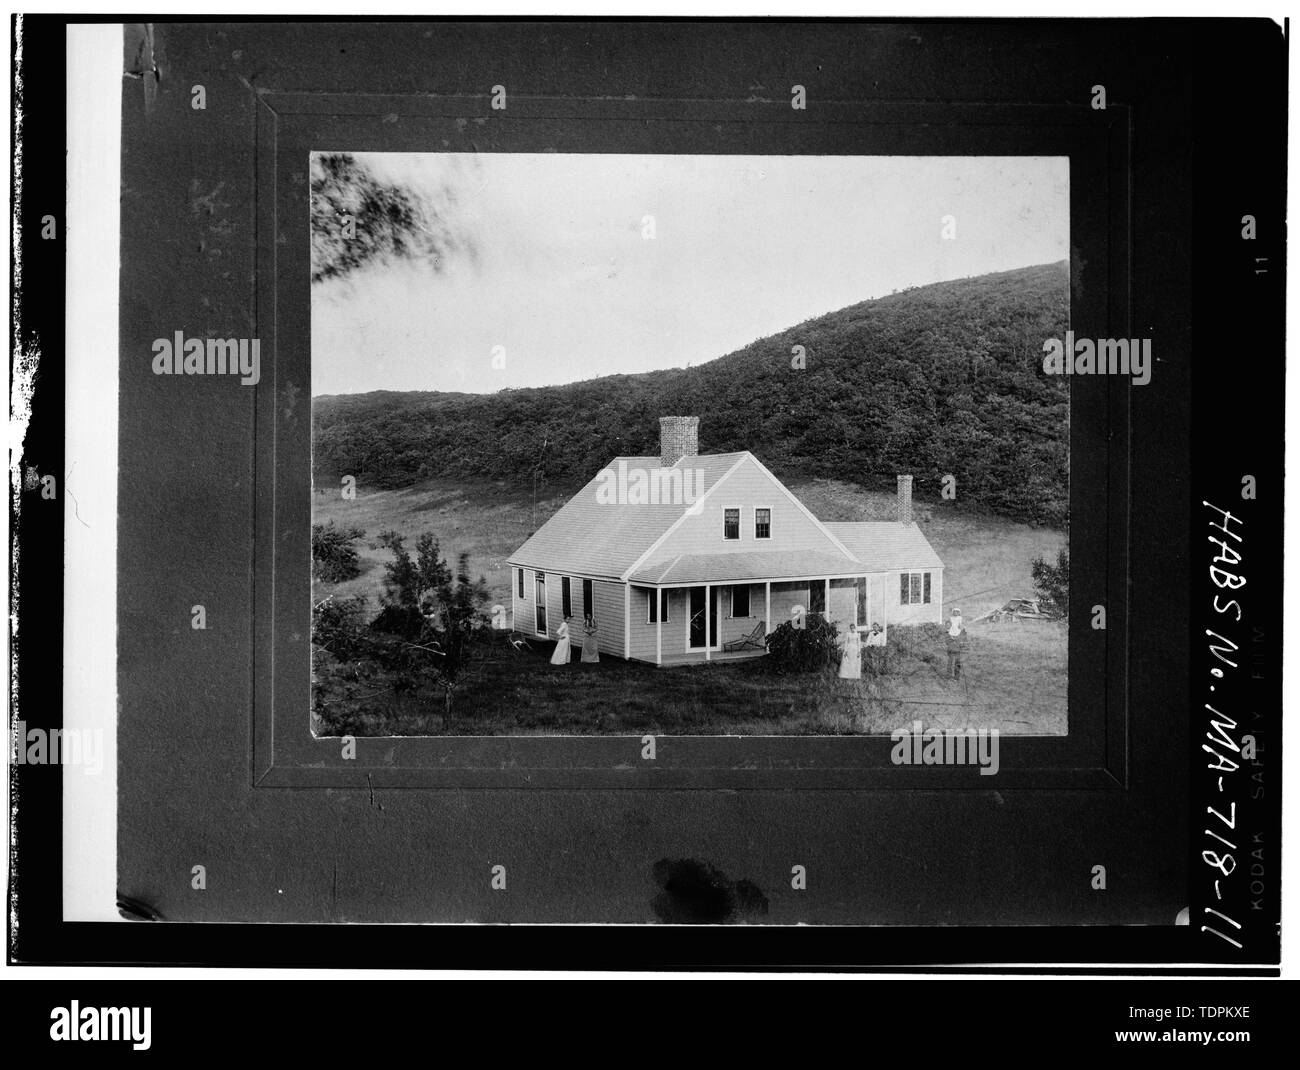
(679, 436)
(904, 499)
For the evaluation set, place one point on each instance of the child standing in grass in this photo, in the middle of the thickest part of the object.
(851, 660)
(956, 640)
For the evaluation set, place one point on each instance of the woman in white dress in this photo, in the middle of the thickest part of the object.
(561, 655)
(851, 661)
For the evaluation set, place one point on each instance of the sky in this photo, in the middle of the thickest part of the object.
(567, 282)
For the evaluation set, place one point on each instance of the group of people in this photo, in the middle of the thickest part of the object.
(852, 642)
(564, 648)
(874, 639)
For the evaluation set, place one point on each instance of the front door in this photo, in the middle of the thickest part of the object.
(695, 636)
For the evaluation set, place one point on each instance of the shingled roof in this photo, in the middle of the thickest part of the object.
(594, 538)
(885, 545)
(591, 537)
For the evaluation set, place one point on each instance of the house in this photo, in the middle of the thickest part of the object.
(680, 556)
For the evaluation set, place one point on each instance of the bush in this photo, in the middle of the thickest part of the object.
(806, 649)
(406, 622)
(1053, 582)
(333, 557)
(338, 625)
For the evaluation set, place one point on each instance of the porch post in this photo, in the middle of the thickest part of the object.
(868, 622)
(768, 623)
(940, 598)
(708, 625)
(826, 602)
(627, 621)
(659, 627)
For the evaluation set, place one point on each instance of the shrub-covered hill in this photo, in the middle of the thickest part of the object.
(936, 380)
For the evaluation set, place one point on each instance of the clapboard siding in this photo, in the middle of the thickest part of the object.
(748, 487)
(921, 613)
(731, 627)
(843, 605)
(644, 642)
(607, 607)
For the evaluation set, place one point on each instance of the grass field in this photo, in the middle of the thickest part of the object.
(1015, 673)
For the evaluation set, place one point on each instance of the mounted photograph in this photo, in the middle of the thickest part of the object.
(706, 445)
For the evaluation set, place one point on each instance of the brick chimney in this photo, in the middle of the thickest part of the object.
(679, 436)
(904, 499)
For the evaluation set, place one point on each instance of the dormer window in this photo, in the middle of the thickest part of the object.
(731, 523)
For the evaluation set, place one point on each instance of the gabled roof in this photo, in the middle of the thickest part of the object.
(589, 537)
(886, 545)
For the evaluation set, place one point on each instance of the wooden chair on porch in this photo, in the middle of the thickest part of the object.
(752, 641)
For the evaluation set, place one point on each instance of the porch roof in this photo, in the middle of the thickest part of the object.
(752, 566)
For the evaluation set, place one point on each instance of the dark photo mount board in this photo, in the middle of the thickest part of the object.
(215, 766)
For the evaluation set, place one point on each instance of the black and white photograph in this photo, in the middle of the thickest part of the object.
(710, 445)
(751, 494)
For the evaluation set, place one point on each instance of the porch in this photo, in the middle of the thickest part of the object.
(689, 623)
(696, 657)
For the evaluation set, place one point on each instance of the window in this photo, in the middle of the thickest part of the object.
(762, 523)
(861, 585)
(588, 602)
(731, 523)
(521, 583)
(540, 607)
(913, 588)
(650, 617)
(740, 601)
(817, 598)
(566, 596)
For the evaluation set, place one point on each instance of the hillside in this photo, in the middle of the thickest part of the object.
(934, 380)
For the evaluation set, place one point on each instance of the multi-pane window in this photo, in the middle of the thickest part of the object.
(740, 600)
(521, 582)
(650, 616)
(913, 588)
(540, 602)
(588, 603)
(566, 596)
(731, 523)
(762, 523)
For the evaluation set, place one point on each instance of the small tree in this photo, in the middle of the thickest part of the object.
(333, 557)
(1053, 581)
(432, 629)
(413, 582)
(338, 626)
